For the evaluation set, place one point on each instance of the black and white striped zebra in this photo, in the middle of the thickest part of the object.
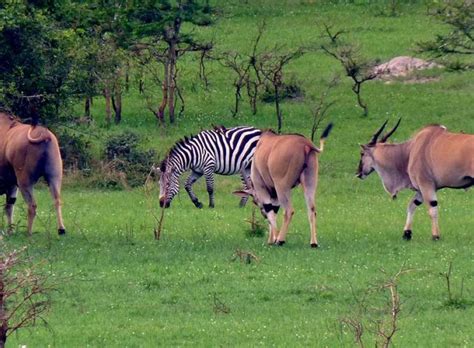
(219, 150)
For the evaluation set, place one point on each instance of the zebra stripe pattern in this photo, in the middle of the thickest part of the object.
(219, 150)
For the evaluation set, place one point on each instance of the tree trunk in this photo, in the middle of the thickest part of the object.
(117, 101)
(238, 96)
(87, 107)
(108, 103)
(171, 80)
(277, 106)
(164, 100)
(127, 76)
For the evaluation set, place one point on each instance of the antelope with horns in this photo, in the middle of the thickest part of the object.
(28, 153)
(280, 163)
(431, 160)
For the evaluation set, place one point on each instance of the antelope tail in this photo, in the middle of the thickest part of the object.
(325, 134)
(42, 137)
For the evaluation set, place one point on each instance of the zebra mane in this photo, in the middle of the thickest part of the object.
(180, 143)
(184, 141)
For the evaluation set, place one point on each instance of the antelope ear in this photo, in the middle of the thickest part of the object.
(243, 193)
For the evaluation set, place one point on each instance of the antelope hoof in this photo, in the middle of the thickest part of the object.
(279, 242)
(407, 234)
(314, 245)
(61, 231)
(435, 238)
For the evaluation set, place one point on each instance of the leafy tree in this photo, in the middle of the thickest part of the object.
(34, 59)
(157, 26)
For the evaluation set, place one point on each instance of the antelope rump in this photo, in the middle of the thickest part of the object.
(432, 159)
(28, 153)
(280, 163)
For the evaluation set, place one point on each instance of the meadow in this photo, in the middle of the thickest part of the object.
(117, 286)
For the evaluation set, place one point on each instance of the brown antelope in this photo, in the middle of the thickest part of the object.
(433, 159)
(28, 153)
(280, 163)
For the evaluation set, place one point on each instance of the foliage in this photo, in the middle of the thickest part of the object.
(122, 150)
(34, 59)
(290, 90)
(459, 16)
(75, 150)
(158, 29)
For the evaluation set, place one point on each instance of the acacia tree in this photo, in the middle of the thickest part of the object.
(356, 67)
(270, 65)
(158, 28)
(459, 16)
(246, 72)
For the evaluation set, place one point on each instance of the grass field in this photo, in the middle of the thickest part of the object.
(117, 286)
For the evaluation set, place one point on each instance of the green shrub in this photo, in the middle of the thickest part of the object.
(75, 150)
(130, 164)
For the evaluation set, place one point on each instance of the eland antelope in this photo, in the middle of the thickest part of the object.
(280, 163)
(431, 160)
(28, 153)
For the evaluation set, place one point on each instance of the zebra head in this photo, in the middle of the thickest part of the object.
(169, 182)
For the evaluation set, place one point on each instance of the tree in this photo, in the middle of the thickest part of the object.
(459, 41)
(35, 59)
(103, 37)
(270, 65)
(356, 67)
(157, 26)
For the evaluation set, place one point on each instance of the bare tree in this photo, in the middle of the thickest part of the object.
(23, 294)
(240, 65)
(247, 74)
(270, 65)
(161, 23)
(357, 68)
(320, 110)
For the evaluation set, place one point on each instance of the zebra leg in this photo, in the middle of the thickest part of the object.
(189, 188)
(210, 188)
(246, 185)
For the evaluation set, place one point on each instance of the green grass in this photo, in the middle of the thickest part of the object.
(117, 286)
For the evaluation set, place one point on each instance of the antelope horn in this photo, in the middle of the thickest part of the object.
(373, 141)
(386, 136)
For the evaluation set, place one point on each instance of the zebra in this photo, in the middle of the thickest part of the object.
(219, 150)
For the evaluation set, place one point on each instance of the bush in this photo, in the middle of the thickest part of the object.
(290, 90)
(129, 164)
(75, 150)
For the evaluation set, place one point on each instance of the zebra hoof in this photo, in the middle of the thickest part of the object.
(211, 206)
(435, 238)
(280, 243)
(314, 245)
(198, 205)
(407, 234)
